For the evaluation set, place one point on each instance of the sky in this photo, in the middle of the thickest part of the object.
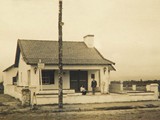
(127, 32)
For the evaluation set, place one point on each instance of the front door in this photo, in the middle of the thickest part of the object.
(77, 79)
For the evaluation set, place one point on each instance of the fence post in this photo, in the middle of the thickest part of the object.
(134, 87)
(33, 99)
(148, 87)
(154, 88)
(25, 97)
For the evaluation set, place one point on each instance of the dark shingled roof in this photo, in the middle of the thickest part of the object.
(74, 53)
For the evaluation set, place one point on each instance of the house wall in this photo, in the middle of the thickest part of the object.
(66, 79)
(34, 77)
(13, 91)
(8, 75)
(97, 78)
(66, 82)
(23, 75)
(105, 80)
(100, 76)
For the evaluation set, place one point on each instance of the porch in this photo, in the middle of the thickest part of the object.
(117, 95)
(70, 97)
(72, 80)
(97, 98)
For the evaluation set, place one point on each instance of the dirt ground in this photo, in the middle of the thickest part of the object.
(11, 109)
(143, 114)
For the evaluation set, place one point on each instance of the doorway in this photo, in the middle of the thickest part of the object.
(77, 79)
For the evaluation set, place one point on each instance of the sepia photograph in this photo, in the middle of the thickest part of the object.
(79, 59)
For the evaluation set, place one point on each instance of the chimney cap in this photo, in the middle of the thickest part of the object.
(88, 36)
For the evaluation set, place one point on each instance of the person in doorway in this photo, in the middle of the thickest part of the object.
(83, 90)
(93, 85)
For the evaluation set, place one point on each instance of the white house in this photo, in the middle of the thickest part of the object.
(36, 67)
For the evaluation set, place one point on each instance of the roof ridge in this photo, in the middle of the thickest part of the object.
(48, 40)
(36, 40)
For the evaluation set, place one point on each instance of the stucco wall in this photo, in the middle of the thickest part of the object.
(97, 78)
(100, 76)
(23, 76)
(116, 87)
(97, 70)
(66, 82)
(104, 83)
(97, 98)
(13, 91)
(8, 75)
(34, 77)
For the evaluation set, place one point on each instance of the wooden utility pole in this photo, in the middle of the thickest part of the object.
(60, 64)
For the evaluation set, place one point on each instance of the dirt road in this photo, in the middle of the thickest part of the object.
(133, 114)
(10, 109)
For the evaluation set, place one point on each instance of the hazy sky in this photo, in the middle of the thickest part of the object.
(126, 31)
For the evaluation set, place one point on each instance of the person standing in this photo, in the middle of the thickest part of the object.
(93, 85)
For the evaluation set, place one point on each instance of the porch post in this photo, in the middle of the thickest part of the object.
(40, 76)
(40, 66)
(108, 80)
(104, 81)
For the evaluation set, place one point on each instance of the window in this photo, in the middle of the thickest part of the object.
(15, 79)
(92, 76)
(47, 77)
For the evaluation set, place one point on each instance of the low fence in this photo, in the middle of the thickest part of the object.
(77, 99)
(21, 93)
(135, 88)
(13, 91)
(27, 95)
(119, 87)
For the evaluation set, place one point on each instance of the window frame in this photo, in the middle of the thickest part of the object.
(48, 74)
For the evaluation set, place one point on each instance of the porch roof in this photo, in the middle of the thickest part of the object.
(74, 53)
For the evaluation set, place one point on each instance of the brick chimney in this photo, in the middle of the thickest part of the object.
(89, 40)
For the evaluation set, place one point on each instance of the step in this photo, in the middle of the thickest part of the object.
(65, 91)
(141, 94)
(48, 96)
